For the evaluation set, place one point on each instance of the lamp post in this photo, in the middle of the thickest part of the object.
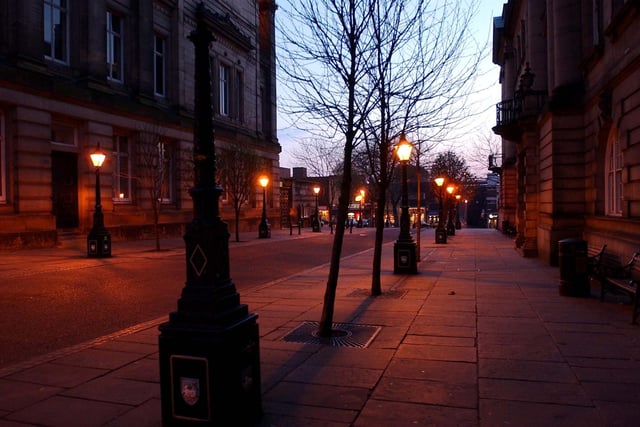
(458, 223)
(451, 230)
(209, 348)
(404, 249)
(98, 239)
(316, 220)
(441, 232)
(264, 230)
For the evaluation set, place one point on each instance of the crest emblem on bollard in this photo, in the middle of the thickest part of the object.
(190, 390)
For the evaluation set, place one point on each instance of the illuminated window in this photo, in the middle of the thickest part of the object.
(121, 169)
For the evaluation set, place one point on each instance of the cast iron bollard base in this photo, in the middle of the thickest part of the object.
(404, 257)
(99, 244)
(209, 349)
(210, 376)
(264, 230)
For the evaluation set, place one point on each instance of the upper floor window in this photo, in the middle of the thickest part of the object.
(230, 96)
(114, 47)
(56, 30)
(159, 65)
(613, 176)
(121, 169)
(3, 165)
(223, 94)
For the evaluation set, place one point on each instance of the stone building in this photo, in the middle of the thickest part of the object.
(119, 74)
(570, 123)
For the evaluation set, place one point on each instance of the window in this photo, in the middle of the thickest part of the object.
(56, 30)
(223, 98)
(114, 47)
(239, 96)
(159, 65)
(3, 165)
(165, 154)
(121, 169)
(613, 174)
(597, 22)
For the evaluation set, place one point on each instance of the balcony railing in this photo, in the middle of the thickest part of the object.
(523, 104)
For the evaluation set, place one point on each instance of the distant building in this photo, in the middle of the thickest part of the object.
(78, 74)
(569, 120)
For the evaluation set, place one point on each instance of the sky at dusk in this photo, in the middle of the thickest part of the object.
(479, 126)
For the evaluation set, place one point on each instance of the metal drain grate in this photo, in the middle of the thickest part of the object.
(344, 335)
(392, 293)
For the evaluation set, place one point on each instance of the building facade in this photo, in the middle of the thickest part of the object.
(570, 123)
(119, 75)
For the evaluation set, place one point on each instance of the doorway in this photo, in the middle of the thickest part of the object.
(64, 188)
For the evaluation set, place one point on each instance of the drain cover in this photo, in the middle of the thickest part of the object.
(344, 335)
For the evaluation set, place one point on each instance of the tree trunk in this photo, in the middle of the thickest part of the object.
(376, 286)
(237, 225)
(156, 225)
(326, 321)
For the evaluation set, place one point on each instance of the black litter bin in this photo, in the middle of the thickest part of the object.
(572, 257)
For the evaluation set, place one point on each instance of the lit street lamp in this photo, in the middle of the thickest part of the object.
(316, 221)
(441, 232)
(451, 230)
(98, 239)
(458, 223)
(264, 230)
(404, 249)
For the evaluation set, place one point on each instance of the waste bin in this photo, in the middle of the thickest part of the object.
(574, 278)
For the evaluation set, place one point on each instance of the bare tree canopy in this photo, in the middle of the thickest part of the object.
(238, 169)
(363, 71)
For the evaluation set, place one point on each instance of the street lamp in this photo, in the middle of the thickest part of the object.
(451, 230)
(98, 239)
(360, 199)
(458, 223)
(404, 249)
(441, 232)
(264, 230)
(316, 221)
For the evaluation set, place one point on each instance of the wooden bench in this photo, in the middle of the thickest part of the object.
(594, 255)
(602, 264)
(625, 279)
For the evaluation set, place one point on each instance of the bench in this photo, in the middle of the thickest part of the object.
(625, 279)
(594, 255)
(602, 264)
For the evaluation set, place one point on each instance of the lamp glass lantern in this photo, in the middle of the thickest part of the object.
(264, 230)
(316, 221)
(404, 250)
(441, 232)
(99, 238)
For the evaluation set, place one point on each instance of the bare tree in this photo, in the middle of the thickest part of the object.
(154, 170)
(238, 169)
(454, 170)
(422, 70)
(481, 148)
(327, 45)
(320, 157)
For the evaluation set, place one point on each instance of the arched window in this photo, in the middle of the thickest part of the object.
(613, 175)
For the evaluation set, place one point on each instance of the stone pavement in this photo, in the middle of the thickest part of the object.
(480, 337)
